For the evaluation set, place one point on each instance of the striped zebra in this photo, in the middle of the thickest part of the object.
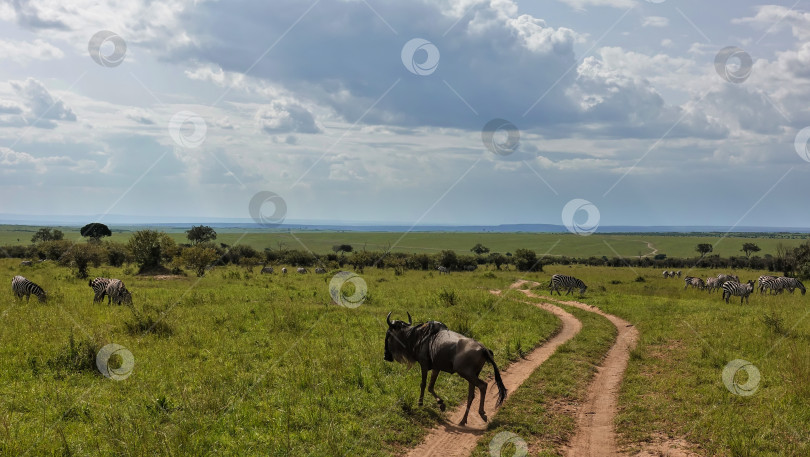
(22, 286)
(267, 270)
(712, 283)
(443, 270)
(666, 274)
(284, 270)
(697, 283)
(566, 282)
(791, 284)
(301, 270)
(99, 286)
(320, 271)
(678, 273)
(117, 293)
(773, 284)
(725, 278)
(762, 280)
(738, 290)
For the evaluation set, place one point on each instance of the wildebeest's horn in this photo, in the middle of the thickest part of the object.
(388, 318)
(410, 321)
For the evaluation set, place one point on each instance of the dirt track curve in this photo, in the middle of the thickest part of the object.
(595, 435)
(448, 439)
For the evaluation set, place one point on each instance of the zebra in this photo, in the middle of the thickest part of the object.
(774, 284)
(26, 263)
(678, 273)
(22, 286)
(792, 284)
(712, 283)
(99, 286)
(566, 282)
(117, 293)
(697, 283)
(443, 270)
(761, 281)
(284, 270)
(267, 270)
(666, 274)
(301, 270)
(739, 290)
(725, 278)
(320, 271)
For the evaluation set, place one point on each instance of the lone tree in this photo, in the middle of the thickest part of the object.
(526, 260)
(198, 258)
(750, 248)
(46, 234)
(201, 234)
(703, 249)
(150, 249)
(479, 249)
(95, 230)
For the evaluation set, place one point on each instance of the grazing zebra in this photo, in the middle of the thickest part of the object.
(666, 274)
(738, 290)
(267, 270)
(301, 270)
(22, 286)
(443, 270)
(712, 283)
(117, 293)
(697, 283)
(678, 273)
(566, 282)
(792, 284)
(320, 271)
(26, 263)
(284, 270)
(773, 284)
(99, 286)
(762, 280)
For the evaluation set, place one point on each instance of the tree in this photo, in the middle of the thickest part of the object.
(750, 248)
(704, 248)
(46, 234)
(150, 248)
(497, 259)
(198, 258)
(81, 256)
(447, 259)
(526, 260)
(342, 248)
(479, 249)
(200, 234)
(95, 231)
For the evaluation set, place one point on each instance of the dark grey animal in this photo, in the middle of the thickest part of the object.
(320, 271)
(471, 267)
(438, 349)
(267, 270)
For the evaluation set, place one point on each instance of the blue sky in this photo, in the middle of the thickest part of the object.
(617, 102)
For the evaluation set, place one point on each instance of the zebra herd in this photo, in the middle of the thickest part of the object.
(672, 274)
(731, 285)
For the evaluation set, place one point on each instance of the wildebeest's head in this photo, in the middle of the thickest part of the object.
(395, 339)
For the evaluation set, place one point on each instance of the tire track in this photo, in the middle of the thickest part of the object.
(448, 439)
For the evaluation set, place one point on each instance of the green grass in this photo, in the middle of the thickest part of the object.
(250, 364)
(554, 244)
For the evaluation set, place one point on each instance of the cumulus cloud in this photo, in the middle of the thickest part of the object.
(23, 51)
(42, 108)
(139, 115)
(776, 17)
(285, 117)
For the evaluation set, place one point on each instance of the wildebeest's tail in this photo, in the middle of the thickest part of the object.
(501, 388)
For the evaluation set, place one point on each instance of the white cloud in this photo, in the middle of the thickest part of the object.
(42, 107)
(139, 115)
(775, 17)
(23, 51)
(655, 21)
(285, 117)
(583, 4)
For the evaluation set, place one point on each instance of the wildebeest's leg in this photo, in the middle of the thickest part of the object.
(482, 389)
(422, 385)
(470, 396)
(433, 377)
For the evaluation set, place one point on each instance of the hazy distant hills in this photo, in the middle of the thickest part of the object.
(234, 223)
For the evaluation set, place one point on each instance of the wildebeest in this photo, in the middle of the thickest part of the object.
(320, 271)
(301, 270)
(284, 270)
(438, 349)
(267, 269)
(443, 269)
